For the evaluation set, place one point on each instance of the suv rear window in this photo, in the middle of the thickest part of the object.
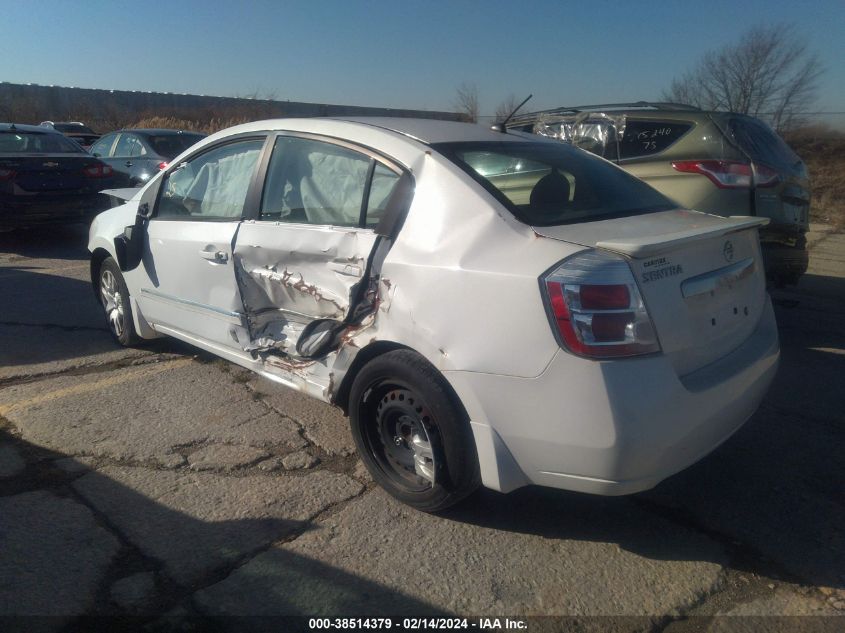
(642, 138)
(71, 128)
(547, 184)
(761, 143)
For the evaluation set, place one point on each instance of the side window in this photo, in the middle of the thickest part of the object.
(102, 147)
(128, 146)
(643, 138)
(383, 183)
(315, 183)
(212, 186)
(762, 143)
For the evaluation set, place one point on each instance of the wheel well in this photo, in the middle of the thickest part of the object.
(368, 353)
(97, 258)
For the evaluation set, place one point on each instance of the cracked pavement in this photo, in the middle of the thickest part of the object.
(160, 480)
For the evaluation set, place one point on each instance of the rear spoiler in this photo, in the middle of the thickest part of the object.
(647, 246)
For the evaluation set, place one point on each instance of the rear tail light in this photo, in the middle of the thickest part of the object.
(596, 309)
(163, 165)
(98, 171)
(725, 174)
(6, 174)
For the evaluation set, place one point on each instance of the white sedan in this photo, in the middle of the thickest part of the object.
(487, 307)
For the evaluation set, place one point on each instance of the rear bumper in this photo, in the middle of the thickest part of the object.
(53, 209)
(614, 427)
(785, 256)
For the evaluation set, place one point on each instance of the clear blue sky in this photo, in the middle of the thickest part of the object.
(396, 53)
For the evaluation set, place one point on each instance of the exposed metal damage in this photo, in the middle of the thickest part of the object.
(308, 299)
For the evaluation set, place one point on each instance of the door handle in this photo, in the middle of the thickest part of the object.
(217, 257)
(128, 163)
(345, 269)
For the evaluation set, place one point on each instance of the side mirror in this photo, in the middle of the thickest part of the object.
(129, 245)
(318, 338)
(144, 211)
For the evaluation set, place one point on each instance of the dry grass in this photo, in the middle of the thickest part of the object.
(207, 126)
(823, 151)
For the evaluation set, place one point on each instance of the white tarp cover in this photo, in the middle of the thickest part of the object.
(592, 131)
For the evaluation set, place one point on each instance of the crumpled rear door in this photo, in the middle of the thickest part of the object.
(290, 275)
(309, 254)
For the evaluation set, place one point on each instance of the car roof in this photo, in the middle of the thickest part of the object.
(157, 131)
(431, 131)
(42, 129)
(425, 131)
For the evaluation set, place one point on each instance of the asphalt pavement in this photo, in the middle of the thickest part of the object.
(160, 481)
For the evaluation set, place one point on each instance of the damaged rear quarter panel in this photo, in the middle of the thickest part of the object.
(460, 283)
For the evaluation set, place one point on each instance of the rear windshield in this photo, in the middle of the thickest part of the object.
(18, 142)
(171, 145)
(547, 184)
(761, 143)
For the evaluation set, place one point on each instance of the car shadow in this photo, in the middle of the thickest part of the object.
(301, 586)
(56, 241)
(771, 496)
(48, 317)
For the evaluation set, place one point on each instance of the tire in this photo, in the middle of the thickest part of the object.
(114, 297)
(412, 433)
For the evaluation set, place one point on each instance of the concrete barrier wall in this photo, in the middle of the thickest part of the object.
(102, 109)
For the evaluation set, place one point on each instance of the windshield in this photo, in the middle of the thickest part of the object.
(546, 184)
(171, 145)
(19, 142)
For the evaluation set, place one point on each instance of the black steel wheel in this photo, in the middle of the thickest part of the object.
(412, 433)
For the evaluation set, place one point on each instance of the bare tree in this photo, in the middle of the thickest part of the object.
(466, 101)
(769, 73)
(507, 106)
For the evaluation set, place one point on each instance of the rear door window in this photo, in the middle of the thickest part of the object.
(316, 182)
(102, 148)
(129, 146)
(643, 138)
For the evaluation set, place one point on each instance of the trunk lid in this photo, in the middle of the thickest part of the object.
(701, 277)
(47, 173)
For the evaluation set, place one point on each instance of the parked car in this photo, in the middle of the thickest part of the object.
(45, 177)
(75, 130)
(485, 306)
(717, 162)
(142, 153)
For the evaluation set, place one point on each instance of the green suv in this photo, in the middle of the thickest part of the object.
(717, 162)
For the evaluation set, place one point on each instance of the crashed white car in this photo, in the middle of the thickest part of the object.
(487, 307)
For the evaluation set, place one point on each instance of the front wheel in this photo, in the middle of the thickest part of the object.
(114, 297)
(411, 432)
